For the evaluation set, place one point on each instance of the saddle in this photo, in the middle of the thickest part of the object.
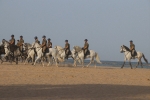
(135, 53)
(88, 52)
(47, 50)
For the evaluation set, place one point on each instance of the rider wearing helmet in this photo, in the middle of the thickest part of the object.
(36, 40)
(86, 47)
(12, 44)
(49, 45)
(132, 49)
(67, 48)
(21, 43)
(12, 40)
(44, 44)
(18, 43)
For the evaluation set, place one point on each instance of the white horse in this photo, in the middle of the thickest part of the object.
(51, 53)
(27, 47)
(93, 56)
(127, 56)
(61, 54)
(6, 47)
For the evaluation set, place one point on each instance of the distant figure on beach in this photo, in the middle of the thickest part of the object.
(21, 41)
(132, 49)
(36, 40)
(67, 48)
(86, 48)
(49, 43)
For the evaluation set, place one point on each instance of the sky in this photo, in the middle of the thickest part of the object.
(107, 24)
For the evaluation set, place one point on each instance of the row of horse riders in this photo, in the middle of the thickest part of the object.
(45, 44)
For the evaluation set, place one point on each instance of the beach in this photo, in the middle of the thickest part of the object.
(27, 82)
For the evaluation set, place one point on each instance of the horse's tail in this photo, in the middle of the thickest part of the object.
(145, 59)
(97, 58)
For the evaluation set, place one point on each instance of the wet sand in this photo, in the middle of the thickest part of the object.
(27, 82)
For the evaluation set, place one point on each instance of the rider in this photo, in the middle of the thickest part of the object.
(18, 43)
(67, 48)
(86, 47)
(49, 45)
(21, 43)
(36, 39)
(12, 44)
(132, 48)
(44, 44)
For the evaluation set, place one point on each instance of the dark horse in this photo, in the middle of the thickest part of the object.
(12, 52)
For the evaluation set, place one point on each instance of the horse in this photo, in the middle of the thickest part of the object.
(127, 56)
(2, 51)
(50, 53)
(27, 48)
(13, 55)
(61, 54)
(93, 56)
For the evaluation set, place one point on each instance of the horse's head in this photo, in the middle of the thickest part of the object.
(124, 49)
(5, 43)
(60, 49)
(77, 48)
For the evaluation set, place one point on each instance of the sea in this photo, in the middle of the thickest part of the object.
(112, 64)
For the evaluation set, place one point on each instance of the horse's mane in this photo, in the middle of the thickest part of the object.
(28, 44)
(59, 47)
(126, 48)
(77, 48)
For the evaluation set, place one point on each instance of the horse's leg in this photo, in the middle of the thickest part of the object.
(16, 60)
(141, 64)
(26, 59)
(38, 57)
(82, 62)
(90, 62)
(138, 63)
(49, 62)
(130, 64)
(55, 58)
(123, 64)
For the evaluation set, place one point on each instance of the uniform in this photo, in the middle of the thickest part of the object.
(12, 44)
(49, 45)
(67, 49)
(132, 48)
(86, 47)
(20, 44)
(44, 45)
(36, 41)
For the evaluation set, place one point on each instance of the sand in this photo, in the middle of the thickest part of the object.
(27, 82)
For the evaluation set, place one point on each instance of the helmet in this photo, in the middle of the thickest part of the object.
(12, 35)
(131, 41)
(48, 39)
(21, 36)
(35, 37)
(44, 36)
(66, 40)
(85, 40)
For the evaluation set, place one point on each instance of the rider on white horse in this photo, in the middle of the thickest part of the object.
(21, 41)
(132, 49)
(44, 45)
(49, 43)
(67, 48)
(86, 48)
(12, 44)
